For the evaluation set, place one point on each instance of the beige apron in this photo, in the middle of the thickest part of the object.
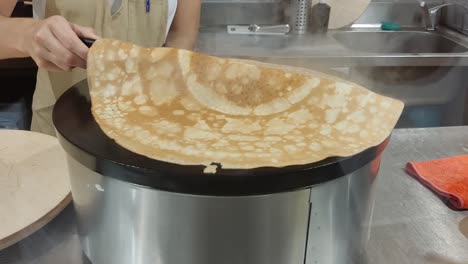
(130, 23)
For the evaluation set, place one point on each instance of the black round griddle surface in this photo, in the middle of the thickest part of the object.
(82, 138)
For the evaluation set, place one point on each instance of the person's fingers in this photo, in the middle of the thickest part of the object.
(45, 64)
(41, 55)
(53, 59)
(61, 56)
(51, 67)
(57, 46)
(86, 32)
(65, 34)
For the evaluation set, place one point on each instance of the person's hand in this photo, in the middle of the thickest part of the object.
(54, 45)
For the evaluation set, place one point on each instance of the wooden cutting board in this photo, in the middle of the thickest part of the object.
(34, 184)
(345, 12)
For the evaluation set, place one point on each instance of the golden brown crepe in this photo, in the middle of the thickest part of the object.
(192, 109)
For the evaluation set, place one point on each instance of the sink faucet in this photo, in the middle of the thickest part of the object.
(430, 14)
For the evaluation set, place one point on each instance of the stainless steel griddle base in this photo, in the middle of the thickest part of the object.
(408, 221)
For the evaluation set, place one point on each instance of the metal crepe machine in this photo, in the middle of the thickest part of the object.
(133, 209)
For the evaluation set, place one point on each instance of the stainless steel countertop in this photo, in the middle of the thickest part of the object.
(326, 51)
(411, 224)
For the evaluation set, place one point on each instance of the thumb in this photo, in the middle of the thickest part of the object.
(86, 32)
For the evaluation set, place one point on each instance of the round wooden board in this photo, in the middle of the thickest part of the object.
(34, 183)
(345, 12)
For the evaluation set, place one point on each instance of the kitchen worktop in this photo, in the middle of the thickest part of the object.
(410, 224)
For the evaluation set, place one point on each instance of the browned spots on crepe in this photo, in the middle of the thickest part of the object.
(189, 108)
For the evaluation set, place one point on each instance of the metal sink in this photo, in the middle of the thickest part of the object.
(392, 42)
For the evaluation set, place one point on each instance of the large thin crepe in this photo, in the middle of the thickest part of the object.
(192, 109)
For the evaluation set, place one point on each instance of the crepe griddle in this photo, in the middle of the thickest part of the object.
(83, 139)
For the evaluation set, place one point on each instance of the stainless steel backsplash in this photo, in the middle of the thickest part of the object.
(403, 13)
(224, 12)
(456, 18)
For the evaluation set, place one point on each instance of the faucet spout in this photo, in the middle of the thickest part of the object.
(430, 14)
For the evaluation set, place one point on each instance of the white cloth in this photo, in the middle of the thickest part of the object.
(40, 5)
